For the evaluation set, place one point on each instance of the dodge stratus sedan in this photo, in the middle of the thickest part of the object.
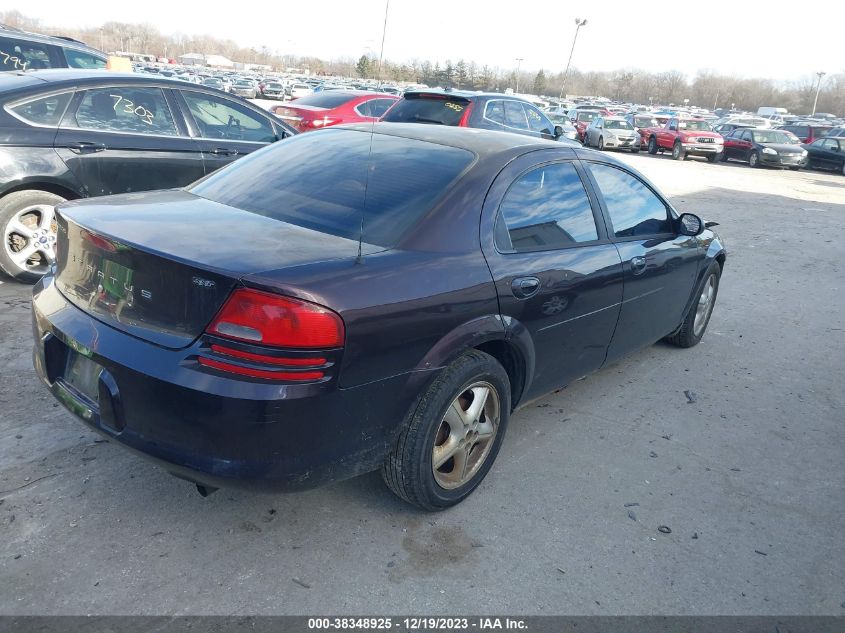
(359, 298)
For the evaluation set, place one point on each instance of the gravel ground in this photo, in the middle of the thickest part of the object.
(748, 477)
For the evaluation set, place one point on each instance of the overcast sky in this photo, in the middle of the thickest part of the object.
(747, 38)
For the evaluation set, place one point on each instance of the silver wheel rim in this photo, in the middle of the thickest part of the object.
(676, 151)
(705, 306)
(465, 436)
(30, 238)
(753, 160)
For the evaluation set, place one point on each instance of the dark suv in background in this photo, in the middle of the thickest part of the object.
(20, 50)
(469, 109)
(67, 134)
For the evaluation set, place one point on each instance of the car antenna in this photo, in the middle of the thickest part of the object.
(360, 259)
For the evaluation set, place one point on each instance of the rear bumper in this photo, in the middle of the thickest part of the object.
(209, 428)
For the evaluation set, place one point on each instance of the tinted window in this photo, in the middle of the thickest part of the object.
(830, 144)
(328, 99)
(78, 59)
(547, 208)
(23, 55)
(495, 111)
(44, 111)
(634, 208)
(443, 111)
(515, 115)
(217, 117)
(126, 109)
(319, 181)
(374, 107)
(537, 120)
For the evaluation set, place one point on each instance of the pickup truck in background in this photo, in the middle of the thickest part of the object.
(684, 137)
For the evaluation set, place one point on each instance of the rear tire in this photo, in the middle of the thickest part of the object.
(28, 234)
(652, 146)
(678, 152)
(723, 156)
(428, 434)
(698, 316)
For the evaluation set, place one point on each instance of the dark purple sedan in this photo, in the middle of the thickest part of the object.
(362, 298)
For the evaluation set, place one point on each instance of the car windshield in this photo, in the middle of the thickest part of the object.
(615, 124)
(212, 82)
(587, 116)
(771, 136)
(243, 84)
(695, 126)
(321, 182)
(427, 109)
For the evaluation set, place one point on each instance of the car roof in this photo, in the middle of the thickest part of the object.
(478, 141)
(67, 42)
(464, 94)
(61, 77)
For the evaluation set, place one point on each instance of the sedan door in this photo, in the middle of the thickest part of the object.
(119, 139)
(557, 276)
(225, 128)
(660, 267)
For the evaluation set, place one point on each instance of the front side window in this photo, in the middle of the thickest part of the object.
(546, 208)
(634, 209)
(374, 107)
(23, 55)
(129, 109)
(79, 59)
(217, 117)
(537, 121)
(44, 110)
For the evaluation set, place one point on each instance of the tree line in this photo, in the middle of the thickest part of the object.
(706, 89)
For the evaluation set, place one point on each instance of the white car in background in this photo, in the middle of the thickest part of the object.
(612, 132)
(298, 90)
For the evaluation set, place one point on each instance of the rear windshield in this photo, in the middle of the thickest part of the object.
(324, 100)
(645, 121)
(435, 109)
(587, 116)
(319, 181)
(696, 126)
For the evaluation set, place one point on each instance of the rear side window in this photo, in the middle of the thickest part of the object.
(634, 208)
(79, 59)
(545, 209)
(437, 110)
(44, 110)
(515, 115)
(321, 182)
(23, 55)
(128, 109)
(374, 107)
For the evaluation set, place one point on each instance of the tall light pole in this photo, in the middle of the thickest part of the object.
(383, 34)
(578, 24)
(518, 64)
(819, 74)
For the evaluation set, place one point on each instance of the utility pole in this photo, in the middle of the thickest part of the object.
(383, 34)
(578, 24)
(518, 64)
(819, 74)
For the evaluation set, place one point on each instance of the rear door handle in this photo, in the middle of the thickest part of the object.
(224, 151)
(638, 264)
(85, 147)
(524, 287)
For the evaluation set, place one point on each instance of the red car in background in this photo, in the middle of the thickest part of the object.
(331, 107)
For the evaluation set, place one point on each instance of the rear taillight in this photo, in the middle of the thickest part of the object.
(271, 337)
(318, 123)
(267, 319)
(465, 117)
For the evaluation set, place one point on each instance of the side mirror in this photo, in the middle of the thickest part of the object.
(690, 224)
(558, 131)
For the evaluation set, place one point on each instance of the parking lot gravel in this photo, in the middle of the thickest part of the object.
(735, 446)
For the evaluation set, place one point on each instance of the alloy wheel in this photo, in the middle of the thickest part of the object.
(465, 436)
(705, 305)
(30, 238)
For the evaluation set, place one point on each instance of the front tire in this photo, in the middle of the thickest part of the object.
(754, 160)
(453, 436)
(28, 229)
(601, 144)
(711, 158)
(678, 152)
(652, 146)
(698, 316)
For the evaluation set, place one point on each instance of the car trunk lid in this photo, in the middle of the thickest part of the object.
(162, 269)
